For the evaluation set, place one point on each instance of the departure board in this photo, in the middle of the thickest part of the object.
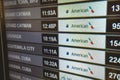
(63, 39)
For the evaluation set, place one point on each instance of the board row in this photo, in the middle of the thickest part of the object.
(95, 25)
(9, 3)
(78, 10)
(47, 76)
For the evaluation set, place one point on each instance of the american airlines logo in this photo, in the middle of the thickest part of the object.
(91, 42)
(65, 78)
(91, 57)
(91, 72)
(91, 9)
(91, 26)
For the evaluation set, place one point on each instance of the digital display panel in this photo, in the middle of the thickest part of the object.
(63, 39)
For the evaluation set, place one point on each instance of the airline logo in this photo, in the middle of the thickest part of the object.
(91, 72)
(92, 11)
(91, 26)
(63, 78)
(66, 76)
(82, 69)
(91, 57)
(91, 42)
(83, 25)
(83, 40)
(98, 8)
(87, 55)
